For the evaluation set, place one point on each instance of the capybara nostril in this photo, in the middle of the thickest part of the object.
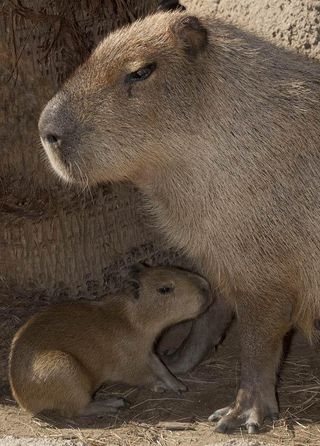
(51, 138)
(50, 129)
(56, 124)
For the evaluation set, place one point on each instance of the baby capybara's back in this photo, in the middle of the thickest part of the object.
(44, 344)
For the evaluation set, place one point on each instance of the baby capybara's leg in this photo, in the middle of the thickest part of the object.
(262, 328)
(206, 332)
(152, 373)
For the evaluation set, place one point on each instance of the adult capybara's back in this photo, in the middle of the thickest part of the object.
(221, 133)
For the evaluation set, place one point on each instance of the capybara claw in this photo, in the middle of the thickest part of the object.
(235, 419)
(222, 428)
(273, 416)
(231, 422)
(218, 414)
(182, 388)
(249, 410)
(160, 388)
(252, 428)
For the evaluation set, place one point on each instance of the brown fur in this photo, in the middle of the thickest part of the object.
(61, 356)
(223, 139)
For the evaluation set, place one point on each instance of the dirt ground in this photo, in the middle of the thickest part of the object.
(168, 419)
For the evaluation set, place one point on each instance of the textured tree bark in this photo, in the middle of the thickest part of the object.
(53, 238)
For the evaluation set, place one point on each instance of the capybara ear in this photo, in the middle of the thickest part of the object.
(192, 33)
(170, 5)
(137, 268)
(134, 286)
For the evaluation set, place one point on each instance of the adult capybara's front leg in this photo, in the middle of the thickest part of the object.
(262, 329)
(206, 332)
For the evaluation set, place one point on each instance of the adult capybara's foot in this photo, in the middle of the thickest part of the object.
(249, 410)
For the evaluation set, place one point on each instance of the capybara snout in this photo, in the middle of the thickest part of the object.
(56, 123)
(60, 131)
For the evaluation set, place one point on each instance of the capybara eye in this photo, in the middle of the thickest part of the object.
(165, 289)
(141, 74)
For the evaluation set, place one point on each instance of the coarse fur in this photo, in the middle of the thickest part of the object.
(223, 140)
(61, 356)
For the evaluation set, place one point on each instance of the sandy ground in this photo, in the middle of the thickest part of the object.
(31, 441)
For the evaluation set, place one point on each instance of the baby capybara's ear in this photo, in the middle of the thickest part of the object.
(190, 31)
(137, 268)
(133, 279)
(170, 5)
(134, 287)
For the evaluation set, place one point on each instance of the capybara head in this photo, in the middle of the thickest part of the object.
(168, 293)
(130, 103)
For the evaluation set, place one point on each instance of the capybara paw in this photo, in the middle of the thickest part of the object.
(167, 352)
(117, 402)
(245, 412)
(105, 407)
(229, 419)
(161, 387)
(179, 387)
(176, 364)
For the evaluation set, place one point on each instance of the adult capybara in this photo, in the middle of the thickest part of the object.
(61, 356)
(221, 133)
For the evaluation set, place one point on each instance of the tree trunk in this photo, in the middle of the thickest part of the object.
(55, 239)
